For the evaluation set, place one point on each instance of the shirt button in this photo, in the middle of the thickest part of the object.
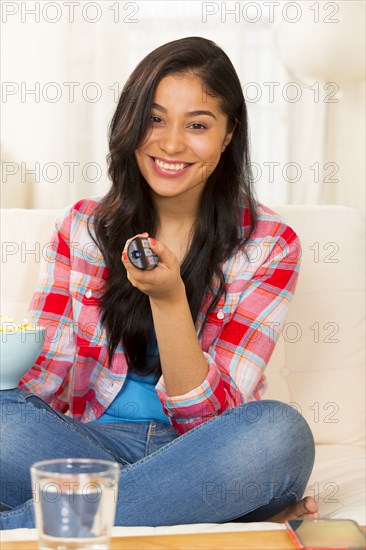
(88, 294)
(220, 314)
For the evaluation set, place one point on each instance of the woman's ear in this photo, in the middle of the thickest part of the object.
(229, 135)
(227, 140)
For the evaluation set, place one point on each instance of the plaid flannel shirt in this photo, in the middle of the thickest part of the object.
(72, 372)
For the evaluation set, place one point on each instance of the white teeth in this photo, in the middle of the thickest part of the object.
(166, 166)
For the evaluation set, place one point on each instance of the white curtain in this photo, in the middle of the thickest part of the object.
(325, 55)
(54, 141)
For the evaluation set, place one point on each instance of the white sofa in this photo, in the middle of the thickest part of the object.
(318, 364)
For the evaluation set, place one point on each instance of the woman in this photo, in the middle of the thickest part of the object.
(162, 369)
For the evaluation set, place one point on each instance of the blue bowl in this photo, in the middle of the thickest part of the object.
(18, 353)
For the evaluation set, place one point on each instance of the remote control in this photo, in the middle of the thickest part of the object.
(141, 255)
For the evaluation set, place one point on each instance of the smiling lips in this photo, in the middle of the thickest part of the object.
(171, 170)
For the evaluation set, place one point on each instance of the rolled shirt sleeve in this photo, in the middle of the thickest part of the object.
(242, 342)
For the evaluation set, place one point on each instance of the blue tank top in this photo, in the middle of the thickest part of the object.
(137, 401)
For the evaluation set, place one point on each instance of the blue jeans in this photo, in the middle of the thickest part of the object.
(245, 465)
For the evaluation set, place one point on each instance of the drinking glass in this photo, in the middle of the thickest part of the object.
(75, 503)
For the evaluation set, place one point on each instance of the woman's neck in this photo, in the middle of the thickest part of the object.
(175, 225)
(175, 215)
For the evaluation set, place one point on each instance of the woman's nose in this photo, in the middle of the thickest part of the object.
(172, 140)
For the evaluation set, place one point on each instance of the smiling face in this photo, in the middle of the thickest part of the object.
(185, 141)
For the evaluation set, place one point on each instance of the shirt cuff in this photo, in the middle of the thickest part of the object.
(207, 400)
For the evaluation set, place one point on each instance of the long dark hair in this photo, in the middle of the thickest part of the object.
(128, 209)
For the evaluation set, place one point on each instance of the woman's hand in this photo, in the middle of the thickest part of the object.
(162, 283)
(183, 364)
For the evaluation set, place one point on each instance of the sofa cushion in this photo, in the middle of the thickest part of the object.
(319, 362)
(338, 482)
(24, 235)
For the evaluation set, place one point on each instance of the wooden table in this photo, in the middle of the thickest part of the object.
(245, 540)
(259, 540)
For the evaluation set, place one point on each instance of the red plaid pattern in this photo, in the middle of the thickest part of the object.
(72, 372)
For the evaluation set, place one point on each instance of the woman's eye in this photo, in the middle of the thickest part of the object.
(195, 125)
(155, 118)
(198, 126)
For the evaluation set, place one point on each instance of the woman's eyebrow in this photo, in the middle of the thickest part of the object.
(191, 113)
